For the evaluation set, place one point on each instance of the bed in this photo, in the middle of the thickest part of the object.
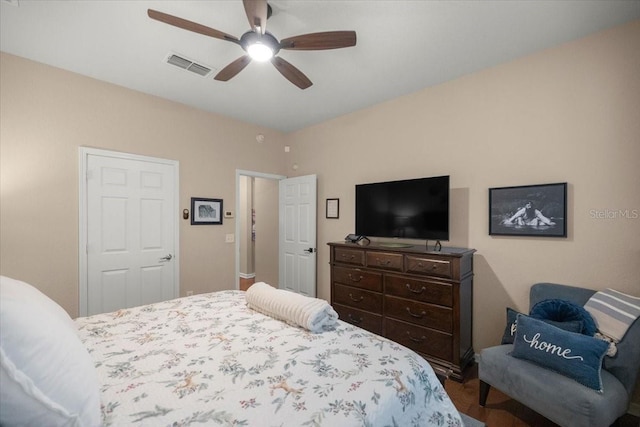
(210, 360)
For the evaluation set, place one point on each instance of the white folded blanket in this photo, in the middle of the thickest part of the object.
(313, 314)
(613, 312)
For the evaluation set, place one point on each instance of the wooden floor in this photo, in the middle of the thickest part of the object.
(501, 410)
(246, 283)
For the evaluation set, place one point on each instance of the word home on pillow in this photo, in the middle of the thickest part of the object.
(573, 355)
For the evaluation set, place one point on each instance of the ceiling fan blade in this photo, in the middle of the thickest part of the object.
(291, 73)
(256, 14)
(190, 26)
(232, 69)
(320, 41)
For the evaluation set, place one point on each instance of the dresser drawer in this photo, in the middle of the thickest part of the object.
(384, 260)
(358, 278)
(349, 256)
(422, 340)
(357, 298)
(430, 266)
(420, 313)
(369, 321)
(419, 290)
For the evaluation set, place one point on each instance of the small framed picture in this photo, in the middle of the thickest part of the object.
(529, 210)
(333, 208)
(206, 211)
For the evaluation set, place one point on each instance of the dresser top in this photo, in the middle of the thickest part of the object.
(404, 248)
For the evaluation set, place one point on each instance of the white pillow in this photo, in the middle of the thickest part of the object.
(47, 377)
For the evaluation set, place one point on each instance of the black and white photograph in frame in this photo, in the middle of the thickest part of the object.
(206, 211)
(529, 210)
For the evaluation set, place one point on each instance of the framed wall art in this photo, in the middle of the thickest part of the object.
(529, 210)
(206, 211)
(333, 208)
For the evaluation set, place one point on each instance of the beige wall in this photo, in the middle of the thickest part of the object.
(47, 113)
(565, 114)
(259, 258)
(267, 230)
(569, 114)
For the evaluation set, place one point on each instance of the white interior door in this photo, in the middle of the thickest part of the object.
(298, 207)
(131, 232)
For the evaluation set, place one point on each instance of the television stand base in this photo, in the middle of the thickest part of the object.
(395, 245)
(437, 247)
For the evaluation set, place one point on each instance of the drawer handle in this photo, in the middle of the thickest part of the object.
(355, 299)
(416, 340)
(433, 266)
(415, 291)
(354, 320)
(417, 316)
(345, 256)
(354, 279)
(383, 261)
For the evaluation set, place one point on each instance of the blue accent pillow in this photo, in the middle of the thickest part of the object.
(573, 355)
(560, 310)
(510, 329)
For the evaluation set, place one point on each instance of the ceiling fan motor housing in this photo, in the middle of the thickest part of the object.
(251, 37)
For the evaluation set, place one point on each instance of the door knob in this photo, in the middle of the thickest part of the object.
(166, 258)
(309, 251)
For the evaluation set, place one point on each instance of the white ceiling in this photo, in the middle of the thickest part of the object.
(403, 46)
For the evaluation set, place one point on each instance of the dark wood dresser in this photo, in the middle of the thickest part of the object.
(421, 299)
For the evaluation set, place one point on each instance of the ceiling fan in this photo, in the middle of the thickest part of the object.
(261, 45)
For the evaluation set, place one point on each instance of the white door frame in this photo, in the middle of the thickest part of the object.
(239, 173)
(84, 152)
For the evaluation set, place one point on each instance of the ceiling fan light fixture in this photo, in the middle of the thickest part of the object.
(260, 47)
(260, 52)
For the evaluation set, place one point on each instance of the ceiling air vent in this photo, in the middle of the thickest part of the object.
(189, 65)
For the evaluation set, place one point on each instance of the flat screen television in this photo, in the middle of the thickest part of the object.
(412, 209)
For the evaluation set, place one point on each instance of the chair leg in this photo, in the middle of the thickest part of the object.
(626, 420)
(484, 392)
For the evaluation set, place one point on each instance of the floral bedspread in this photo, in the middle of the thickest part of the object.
(210, 360)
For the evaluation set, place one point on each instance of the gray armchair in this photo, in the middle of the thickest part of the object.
(556, 397)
